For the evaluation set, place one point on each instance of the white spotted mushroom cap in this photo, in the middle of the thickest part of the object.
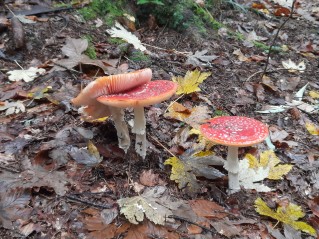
(234, 131)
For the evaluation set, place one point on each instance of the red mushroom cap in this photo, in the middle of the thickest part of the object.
(234, 131)
(111, 85)
(147, 94)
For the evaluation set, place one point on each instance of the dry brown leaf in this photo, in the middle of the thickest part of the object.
(146, 229)
(207, 209)
(193, 117)
(149, 178)
(241, 56)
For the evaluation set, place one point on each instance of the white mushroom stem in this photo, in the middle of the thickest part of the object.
(121, 128)
(232, 166)
(139, 129)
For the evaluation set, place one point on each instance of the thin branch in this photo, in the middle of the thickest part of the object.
(194, 223)
(163, 146)
(79, 200)
(276, 36)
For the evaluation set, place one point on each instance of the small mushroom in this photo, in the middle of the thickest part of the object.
(93, 109)
(147, 94)
(234, 132)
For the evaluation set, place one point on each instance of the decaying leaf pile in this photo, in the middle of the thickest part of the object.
(64, 177)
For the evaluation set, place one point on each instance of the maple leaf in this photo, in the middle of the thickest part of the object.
(269, 159)
(200, 59)
(181, 176)
(288, 215)
(189, 83)
(190, 165)
(193, 117)
(12, 107)
(249, 178)
(119, 31)
(26, 75)
(151, 203)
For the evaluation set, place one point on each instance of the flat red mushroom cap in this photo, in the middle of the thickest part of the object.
(150, 93)
(234, 131)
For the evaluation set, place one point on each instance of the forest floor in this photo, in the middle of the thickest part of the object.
(52, 187)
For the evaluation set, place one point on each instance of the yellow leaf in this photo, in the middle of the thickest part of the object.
(181, 176)
(39, 93)
(190, 82)
(253, 162)
(204, 153)
(178, 111)
(93, 150)
(202, 141)
(288, 215)
(277, 172)
(314, 94)
(269, 159)
(99, 120)
(312, 128)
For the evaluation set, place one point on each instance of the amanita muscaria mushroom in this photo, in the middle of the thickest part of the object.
(106, 85)
(147, 94)
(234, 132)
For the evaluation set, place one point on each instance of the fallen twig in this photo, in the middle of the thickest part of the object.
(275, 38)
(100, 206)
(194, 223)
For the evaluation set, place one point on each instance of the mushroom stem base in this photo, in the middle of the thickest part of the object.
(121, 128)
